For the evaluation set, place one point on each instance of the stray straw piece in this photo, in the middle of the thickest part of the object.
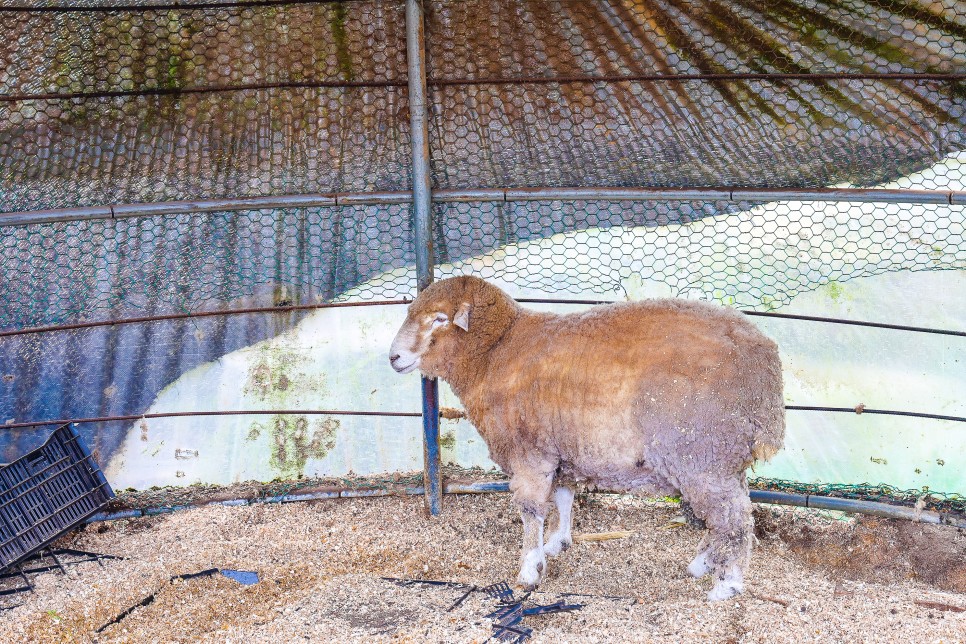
(602, 536)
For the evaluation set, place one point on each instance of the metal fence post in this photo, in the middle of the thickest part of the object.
(422, 199)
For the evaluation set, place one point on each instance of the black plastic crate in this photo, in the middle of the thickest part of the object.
(46, 492)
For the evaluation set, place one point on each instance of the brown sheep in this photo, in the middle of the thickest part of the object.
(659, 397)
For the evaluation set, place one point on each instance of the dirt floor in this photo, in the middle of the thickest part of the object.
(321, 566)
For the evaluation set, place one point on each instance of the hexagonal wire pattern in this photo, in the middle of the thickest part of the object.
(156, 102)
(754, 256)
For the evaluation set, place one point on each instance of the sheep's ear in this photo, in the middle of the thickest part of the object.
(462, 317)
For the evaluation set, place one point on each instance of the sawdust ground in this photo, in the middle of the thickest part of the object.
(321, 563)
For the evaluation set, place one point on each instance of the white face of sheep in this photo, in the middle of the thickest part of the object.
(416, 334)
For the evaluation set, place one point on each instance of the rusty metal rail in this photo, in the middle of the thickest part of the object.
(189, 414)
(527, 300)
(174, 6)
(427, 413)
(817, 77)
(197, 314)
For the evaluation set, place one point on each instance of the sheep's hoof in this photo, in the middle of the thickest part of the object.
(699, 567)
(533, 571)
(728, 586)
(527, 585)
(723, 590)
(555, 546)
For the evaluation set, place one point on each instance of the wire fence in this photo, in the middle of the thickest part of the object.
(165, 164)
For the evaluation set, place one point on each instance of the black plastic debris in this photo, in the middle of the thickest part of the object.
(506, 623)
(245, 577)
(557, 607)
(17, 579)
(500, 591)
(46, 493)
(508, 616)
(515, 634)
(456, 604)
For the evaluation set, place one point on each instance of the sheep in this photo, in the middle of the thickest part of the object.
(658, 397)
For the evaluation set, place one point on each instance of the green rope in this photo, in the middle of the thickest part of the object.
(882, 493)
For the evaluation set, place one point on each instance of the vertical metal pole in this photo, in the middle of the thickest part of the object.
(422, 214)
(419, 128)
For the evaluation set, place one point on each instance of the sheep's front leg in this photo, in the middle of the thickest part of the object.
(560, 540)
(531, 491)
(533, 564)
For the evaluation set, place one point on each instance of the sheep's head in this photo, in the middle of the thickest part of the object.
(451, 320)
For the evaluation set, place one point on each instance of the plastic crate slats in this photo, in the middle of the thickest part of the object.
(52, 514)
(54, 518)
(33, 481)
(46, 492)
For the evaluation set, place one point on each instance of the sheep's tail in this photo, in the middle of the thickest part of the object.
(763, 451)
(768, 410)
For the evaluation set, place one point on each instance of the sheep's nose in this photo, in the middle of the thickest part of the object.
(394, 357)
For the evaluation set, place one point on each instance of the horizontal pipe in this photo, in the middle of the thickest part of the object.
(711, 193)
(374, 198)
(198, 314)
(771, 314)
(216, 205)
(482, 487)
(820, 77)
(861, 409)
(865, 195)
(85, 213)
(617, 194)
(177, 6)
(779, 498)
(202, 89)
(232, 412)
(876, 325)
(525, 300)
(457, 195)
(857, 506)
(817, 77)
(810, 501)
(407, 414)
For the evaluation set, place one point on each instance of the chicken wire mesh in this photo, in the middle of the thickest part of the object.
(750, 133)
(163, 104)
(124, 102)
(740, 253)
(216, 100)
(111, 268)
(737, 253)
(746, 255)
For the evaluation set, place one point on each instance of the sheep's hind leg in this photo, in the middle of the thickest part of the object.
(531, 493)
(726, 508)
(699, 566)
(560, 539)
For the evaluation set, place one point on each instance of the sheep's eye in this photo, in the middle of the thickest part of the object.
(440, 320)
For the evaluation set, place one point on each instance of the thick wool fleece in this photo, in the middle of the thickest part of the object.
(660, 396)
